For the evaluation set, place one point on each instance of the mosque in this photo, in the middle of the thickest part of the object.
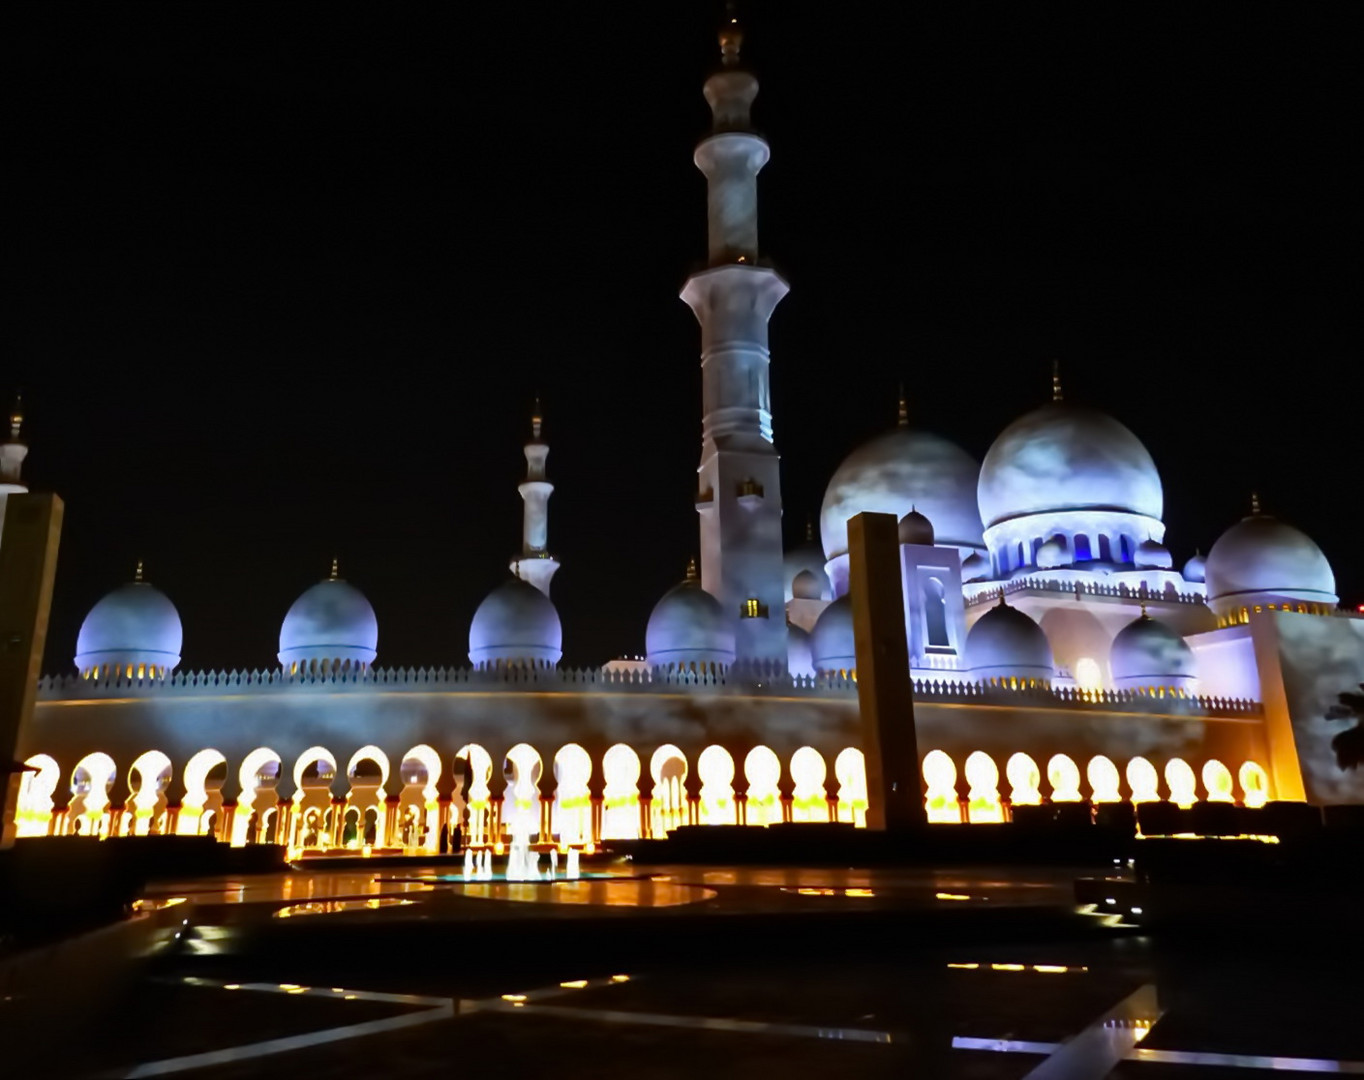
(1057, 653)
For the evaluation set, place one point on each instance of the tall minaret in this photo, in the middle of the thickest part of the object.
(739, 488)
(535, 564)
(12, 454)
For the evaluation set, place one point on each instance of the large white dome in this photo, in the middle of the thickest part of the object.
(134, 626)
(1147, 653)
(516, 624)
(331, 622)
(1263, 555)
(1006, 643)
(1067, 457)
(688, 629)
(833, 645)
(903, 470)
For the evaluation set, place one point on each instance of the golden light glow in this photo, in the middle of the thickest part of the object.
(1088, 675)
(1254, 784)
(809, 801)
(964, 967)
(850, 769)
(1064, 777)
(574, 984)
(1024, 780)
(940, 777)
(620, 978)
(1217, 781)
(983, 805)
(1008, 967)
(951, 896)
(1103, 779)
(1179, 778)
(762, 768)
(1144, 781)
(513, 997)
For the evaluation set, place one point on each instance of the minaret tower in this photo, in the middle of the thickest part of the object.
(739, 488)
(13, 452)
(535, 564)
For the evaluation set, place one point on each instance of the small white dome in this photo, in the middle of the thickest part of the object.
(832, 646)
(799, 659)
(1261, 555)
(806, 559)
(1005, 643)
(1153, 556)
(1052, 554)
(135, 626)
(516, 624)
(1147, 653)
(806, 586)
(916, 529)
(331, 622)
(688, 628)
(896, 472)
(975, 567)
(1065, 457)
(1196, 568)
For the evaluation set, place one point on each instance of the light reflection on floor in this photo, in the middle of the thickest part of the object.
(331, 907)
(619, 893)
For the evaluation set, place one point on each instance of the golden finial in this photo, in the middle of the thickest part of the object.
(809, 530)
(537, 418)
(1002, 602)
(1255, 502)
(731, 37)
(902, 418)
(691, 569)
(1056, 394)
(1144, 615)
(335, 569)
(16, 418)
(137, 574)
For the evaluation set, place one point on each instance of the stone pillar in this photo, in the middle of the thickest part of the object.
(885, 695)
(28, 565)
(392, 819)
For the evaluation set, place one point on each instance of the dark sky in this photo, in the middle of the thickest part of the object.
(281, 281)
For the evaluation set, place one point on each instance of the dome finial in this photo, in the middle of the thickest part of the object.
(335, 569)
(1255, 502)
(1144, 613)
(809, 530)
(691, 569)
(902, 419)
(137, 574)
(536, 419)
(1056, 393)
(1002, 601)
(16, 417)
(731, 37)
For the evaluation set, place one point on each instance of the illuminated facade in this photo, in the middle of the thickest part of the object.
(1057, 652)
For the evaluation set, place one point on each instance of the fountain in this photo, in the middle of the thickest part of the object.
(468, 864)
(572, 868)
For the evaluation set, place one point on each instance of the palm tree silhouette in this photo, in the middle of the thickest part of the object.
(1349, 744)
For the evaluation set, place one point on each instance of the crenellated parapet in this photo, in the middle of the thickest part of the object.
(984, 592)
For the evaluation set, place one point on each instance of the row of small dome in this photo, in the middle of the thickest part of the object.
(1052, 465)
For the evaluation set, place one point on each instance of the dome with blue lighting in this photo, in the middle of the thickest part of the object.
(799, 658)
(1005, 643)
(832, 645)
(516, 625)
(134, 631)
(688, 629)
(1196, 568)
(1147, 654)
(330, 626)
(1261, 557)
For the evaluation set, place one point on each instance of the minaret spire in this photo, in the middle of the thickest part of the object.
(902, 418)
(13, 452)
(739, 480)
(137, 574)
(335, 574)
(1255, 502)
(1056, 394)
(535, 564)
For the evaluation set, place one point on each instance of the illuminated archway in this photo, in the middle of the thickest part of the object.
(368, 772)
(90, 782)
(762, 770)
(1103, 779)
(850, 770)
(1254, 784)
(940, 777)
(982, 775)
(668, 768)
(1064, 777)
(473, 771)
(258, 776)
(1089, 676)
(201, 799)
(148, 778)
(1179, 778)
(620, 796)
(521, 803)
(716, 769)
(314, 816)
(809, 800)
(1144, 781)
(33, 812)
(1217, 781)
(571, 814)
(419, 801)
(1025, 780)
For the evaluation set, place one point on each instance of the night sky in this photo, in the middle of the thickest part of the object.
(281, 281)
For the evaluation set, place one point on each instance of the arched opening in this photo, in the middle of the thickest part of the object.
(368, 772)
(1025, 780)
(668, 768)
(201, 807)
(762, 770)
(1022, 551)
(90, 782)
(1088, 675)
(940, 777)
(1103, 780)
(148, 778)
(1144, 781)
(1217, 781)
(935, 613)
(982, 775)
(521, 771)
(473, 796)
(620, 795)
(259, 777)
(1254, 785)
(850, 770)
(1125, 550)
(1064, 777)
(314, 827)
(716, 769)
(571, 814)
(419, 800)
(1082, 549)
(809, 800)
(1105, 549)
(33, 811)
(1179, 778)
